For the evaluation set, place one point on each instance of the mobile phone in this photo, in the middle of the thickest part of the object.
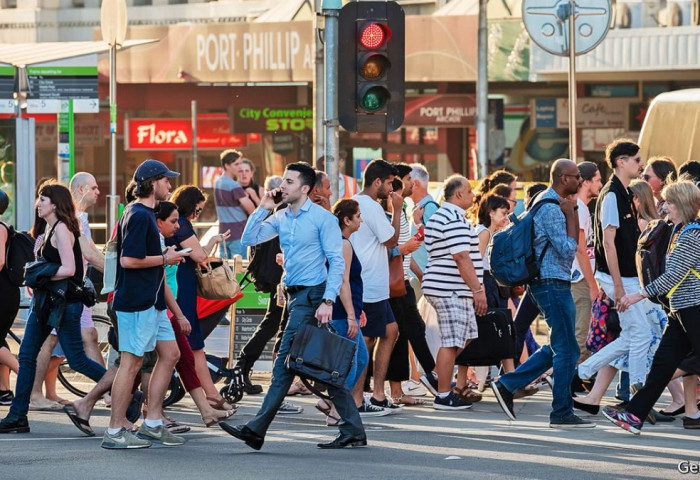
(186, 250)
(277, 197)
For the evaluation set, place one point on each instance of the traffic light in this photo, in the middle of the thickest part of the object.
(371, 66)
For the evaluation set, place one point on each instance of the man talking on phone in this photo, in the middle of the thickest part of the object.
(309, 236)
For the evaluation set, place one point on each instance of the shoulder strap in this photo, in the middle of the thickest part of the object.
(47, 238)
(426, 204)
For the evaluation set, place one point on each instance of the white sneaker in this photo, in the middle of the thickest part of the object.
(289, 408)
(413, 388)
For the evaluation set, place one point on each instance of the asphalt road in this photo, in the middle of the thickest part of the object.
(420, 443)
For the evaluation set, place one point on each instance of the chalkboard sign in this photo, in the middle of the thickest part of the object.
(250, 311)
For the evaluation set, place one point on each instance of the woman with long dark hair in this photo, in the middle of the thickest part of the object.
(9, 293)
(190, 201)
(60, 246)
(167, 218)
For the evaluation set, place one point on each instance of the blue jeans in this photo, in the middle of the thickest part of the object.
(553, 297)
(234, 247)
(72, 343)
(361, 359)
(302, 306)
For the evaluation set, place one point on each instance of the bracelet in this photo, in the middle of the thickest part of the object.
(165, 259)
(481, 290)
(353, 319)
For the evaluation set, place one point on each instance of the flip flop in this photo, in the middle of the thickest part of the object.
(323, 407)
(82, 425)
(176, 428)
(54, 407)
(333, 421)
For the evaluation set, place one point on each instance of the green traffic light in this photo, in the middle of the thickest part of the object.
(374, 98)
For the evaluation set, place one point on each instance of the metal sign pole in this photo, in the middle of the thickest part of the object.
(482, 95)
(195, 158)
(573, 150)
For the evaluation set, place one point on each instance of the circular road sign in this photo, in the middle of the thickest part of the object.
(547, 22)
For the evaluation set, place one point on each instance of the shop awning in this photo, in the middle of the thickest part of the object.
(22, 54)
(288, 10)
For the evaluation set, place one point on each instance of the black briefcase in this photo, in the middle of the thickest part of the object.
(496, 340)
(318, 353)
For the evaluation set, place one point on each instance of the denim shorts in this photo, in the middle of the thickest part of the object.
(139, 331)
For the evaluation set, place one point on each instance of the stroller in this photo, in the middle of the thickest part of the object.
(210, 313)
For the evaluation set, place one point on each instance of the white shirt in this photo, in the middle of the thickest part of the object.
(368, 243)
(585, 224)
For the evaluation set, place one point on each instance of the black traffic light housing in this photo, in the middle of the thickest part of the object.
(371, 66)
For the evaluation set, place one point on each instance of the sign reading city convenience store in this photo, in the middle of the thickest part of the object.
(7, 88)
(72, 79)
(286, 118)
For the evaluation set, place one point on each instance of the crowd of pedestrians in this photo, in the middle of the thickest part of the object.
(372, 265)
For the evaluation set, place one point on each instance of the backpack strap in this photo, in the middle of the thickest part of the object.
(694, 225)
(533, 211)
(426, 204)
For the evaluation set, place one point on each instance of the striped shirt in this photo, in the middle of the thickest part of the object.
(684, 256)
(405, 236)
(447, 233)
(227, 195)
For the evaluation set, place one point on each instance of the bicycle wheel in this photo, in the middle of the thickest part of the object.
(176, 391)
(75, 382)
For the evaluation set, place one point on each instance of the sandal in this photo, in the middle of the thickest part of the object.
(228, 413)
(412, 401)
(176, 428)
(324, 407)
(298, 388)
(333, 421)
(220, 404)
(468, 394)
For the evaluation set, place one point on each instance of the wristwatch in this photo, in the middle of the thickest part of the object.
(328, 302)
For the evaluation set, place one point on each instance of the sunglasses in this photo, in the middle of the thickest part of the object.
(198, 210)
(577, 176)
(627, 157)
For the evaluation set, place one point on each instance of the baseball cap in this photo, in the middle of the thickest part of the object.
(151, 169)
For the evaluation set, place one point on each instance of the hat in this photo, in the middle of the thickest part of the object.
(587, 170)
(151, 169)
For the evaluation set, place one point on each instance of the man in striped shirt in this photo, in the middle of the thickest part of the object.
(232, 204)
(452, 283)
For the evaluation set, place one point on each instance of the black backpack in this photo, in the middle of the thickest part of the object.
(18, 252)
(263, 270)
(650, 258)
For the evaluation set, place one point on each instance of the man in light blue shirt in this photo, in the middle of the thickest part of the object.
(424, 208)
(309, 236)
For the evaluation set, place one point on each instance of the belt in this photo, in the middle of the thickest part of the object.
(296, 288)
(299, 288)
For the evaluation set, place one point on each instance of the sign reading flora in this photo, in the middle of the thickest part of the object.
(287, 118)
(176, 133)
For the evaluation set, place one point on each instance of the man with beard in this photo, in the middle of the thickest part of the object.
(140, 304)
(371, 243)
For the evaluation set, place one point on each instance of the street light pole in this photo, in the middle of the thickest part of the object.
(482, 95)
(331, 10)
(572, 81)
(113, 24)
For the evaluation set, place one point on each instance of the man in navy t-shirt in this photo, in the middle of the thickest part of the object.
(139, 301)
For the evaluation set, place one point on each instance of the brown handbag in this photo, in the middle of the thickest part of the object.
(217, 280)
(397, 284)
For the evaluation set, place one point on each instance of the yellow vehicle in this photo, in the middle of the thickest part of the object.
(672, 126)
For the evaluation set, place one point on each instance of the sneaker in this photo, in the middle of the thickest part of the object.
(369, 410)
(505, 399)
(123, 439)
(387, 405)
(289, 408)
(413, 388)
(691, 423)
(572, 421)
(451, 402)
(6, 397)
(159, 434)
(623, 419)
(430, 381)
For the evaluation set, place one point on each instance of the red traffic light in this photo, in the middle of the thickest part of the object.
(374, 35)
